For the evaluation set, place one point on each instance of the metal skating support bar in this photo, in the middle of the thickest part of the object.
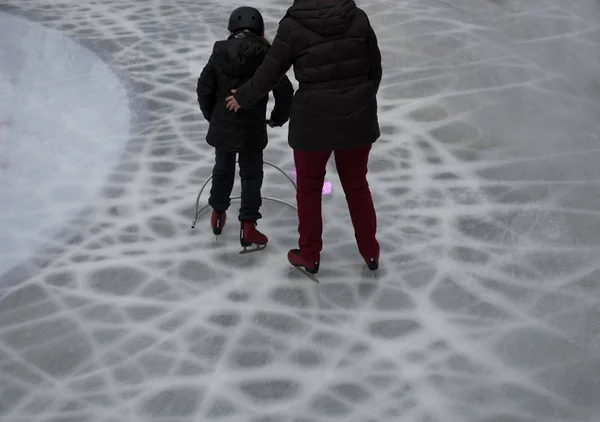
(268, 198)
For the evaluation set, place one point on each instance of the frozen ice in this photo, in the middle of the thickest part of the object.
(487, 305)
(56, 108)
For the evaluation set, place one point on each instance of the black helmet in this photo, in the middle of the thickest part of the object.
(246, 18)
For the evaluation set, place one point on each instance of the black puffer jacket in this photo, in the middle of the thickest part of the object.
(232, 63)
(337, 62)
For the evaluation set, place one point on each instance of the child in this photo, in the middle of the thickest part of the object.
(232, 63)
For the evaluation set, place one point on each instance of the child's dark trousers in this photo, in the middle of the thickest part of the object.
(251, 174)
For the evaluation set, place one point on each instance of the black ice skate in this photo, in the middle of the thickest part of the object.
(371, 257)
(372, 264)
(251, 238)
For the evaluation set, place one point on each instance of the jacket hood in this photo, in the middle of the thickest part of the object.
(325, 17)
(242, 54)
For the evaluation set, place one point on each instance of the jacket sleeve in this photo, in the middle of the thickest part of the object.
(376, 72)
(207, 90)
(284, 95)
(270, 73)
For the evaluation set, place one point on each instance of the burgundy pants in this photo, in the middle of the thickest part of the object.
(352, 169)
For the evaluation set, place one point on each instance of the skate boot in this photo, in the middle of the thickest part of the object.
(250, 236)
(373, 261)
(309, 268)
(217, 221)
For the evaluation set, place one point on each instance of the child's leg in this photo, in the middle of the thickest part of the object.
(251, 173)
(222, 182)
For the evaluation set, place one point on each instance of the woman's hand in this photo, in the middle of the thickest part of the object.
(232, 104)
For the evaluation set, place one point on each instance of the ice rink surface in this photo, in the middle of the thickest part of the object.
(487, 307)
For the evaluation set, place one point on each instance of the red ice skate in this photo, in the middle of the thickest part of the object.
(217, 221)
(309, 268)
(250, 236)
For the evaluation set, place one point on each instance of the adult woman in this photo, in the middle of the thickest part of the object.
(337, 63)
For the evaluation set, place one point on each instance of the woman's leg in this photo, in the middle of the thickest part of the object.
(310, 175)
(352, 168)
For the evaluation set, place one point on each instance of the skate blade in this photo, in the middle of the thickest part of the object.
(306, 273)
(251, 249)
